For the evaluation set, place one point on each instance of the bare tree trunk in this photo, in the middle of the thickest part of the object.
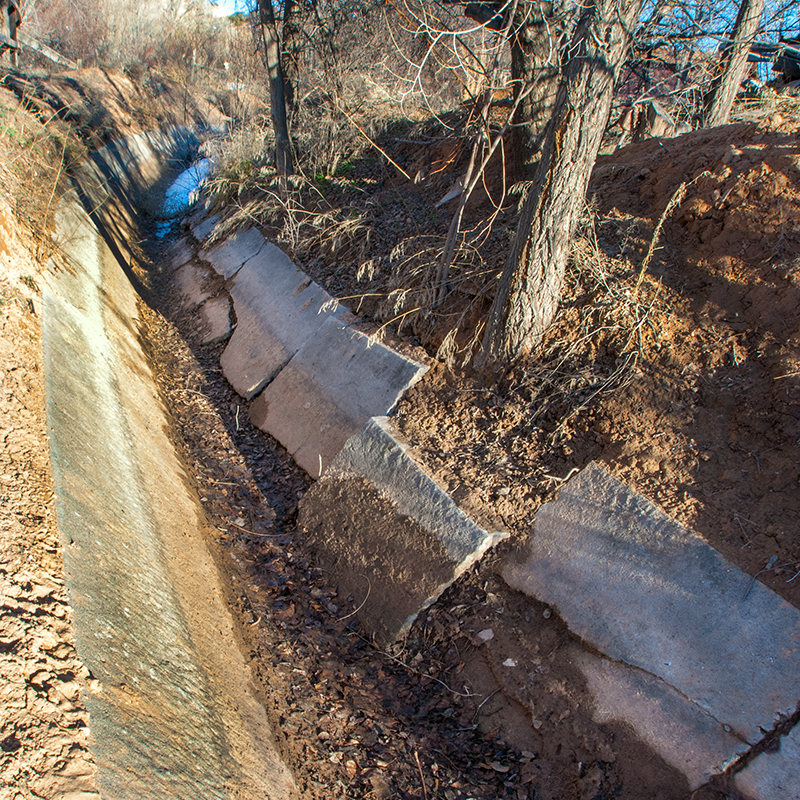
(291, 44)
(530, 287)
(272, 56)
(534, 60)
(719, 101)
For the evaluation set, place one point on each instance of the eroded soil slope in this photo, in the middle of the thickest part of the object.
(704, 418)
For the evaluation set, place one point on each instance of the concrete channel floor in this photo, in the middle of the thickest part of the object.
(680, 629)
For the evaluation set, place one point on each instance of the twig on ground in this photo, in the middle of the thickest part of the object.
(415, 671)
(353, 613)
(253, 533)
(674, 201)
(772, 560)
(421, 776)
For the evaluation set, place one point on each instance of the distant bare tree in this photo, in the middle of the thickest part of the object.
(733, 62)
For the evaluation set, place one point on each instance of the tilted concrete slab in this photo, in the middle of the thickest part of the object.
(329, 390)
(179, 253)
(228, 257)
(686, 736)
(773, 776)
(202, 227)
(278, 308)
(389, 536)
(189, 280)
(648, 592)
(215, 320)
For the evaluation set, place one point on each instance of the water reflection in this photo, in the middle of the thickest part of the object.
(182, 195)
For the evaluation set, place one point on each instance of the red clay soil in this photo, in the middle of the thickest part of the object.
(707, 422)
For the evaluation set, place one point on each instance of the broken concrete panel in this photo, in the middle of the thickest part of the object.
(644, 590)
(202, 229)
(327, 392)
(773, 776)
(683, 734)
(388, 534)
(278, 308)
(189, 281)
(228, 257)
(180, 253)
(215, 320)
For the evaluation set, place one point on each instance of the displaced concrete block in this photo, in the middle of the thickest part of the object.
(189, 280)
(337, 380)
(202, 228)
(773, 776)
(215, 320)
(646, 591)
(682, 733)
(180, 253)
(388, 535)
(278, 308)
(228, 257)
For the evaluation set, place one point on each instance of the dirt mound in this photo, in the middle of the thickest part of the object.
(730, 269)
(706, 424)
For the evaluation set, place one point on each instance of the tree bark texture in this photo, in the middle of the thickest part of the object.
(733, 63)
(272, 57)
(290, 62)
(530, 286)
(534, 60)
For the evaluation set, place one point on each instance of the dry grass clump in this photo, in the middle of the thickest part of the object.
(296, 210)
(35, 159)
(602, 331)
(409, 297)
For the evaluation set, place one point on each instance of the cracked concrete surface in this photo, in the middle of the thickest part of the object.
(676, 621)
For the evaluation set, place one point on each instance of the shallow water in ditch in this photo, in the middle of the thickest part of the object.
(181, 195)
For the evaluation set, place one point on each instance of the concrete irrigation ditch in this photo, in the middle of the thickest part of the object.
(681, 646)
